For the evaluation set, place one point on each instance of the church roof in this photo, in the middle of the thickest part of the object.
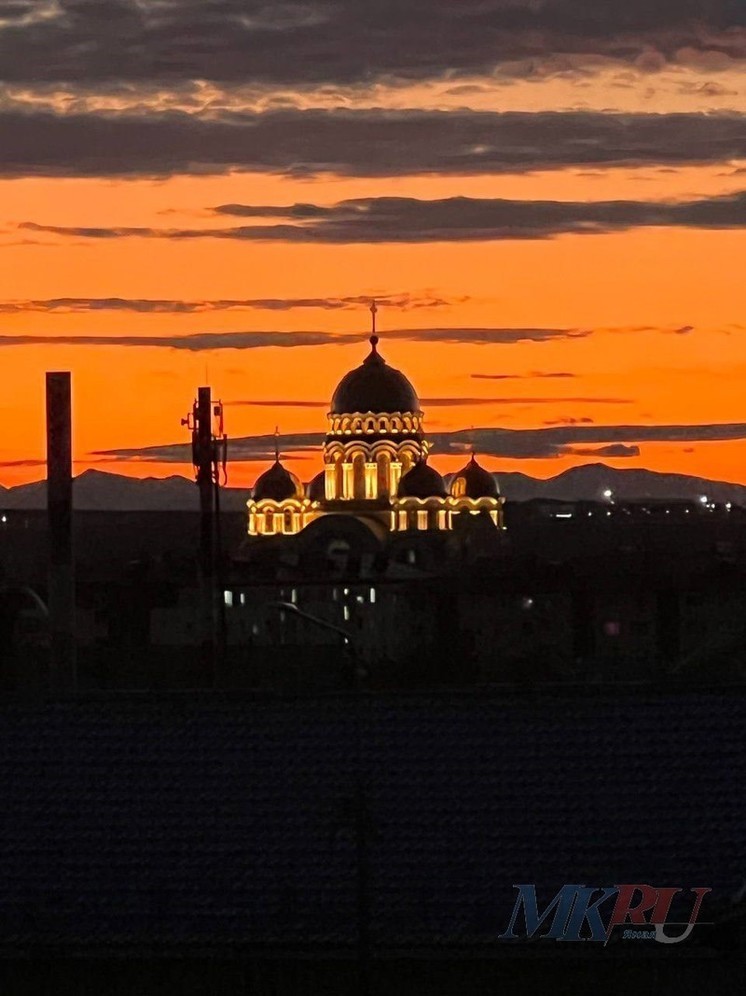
(422, 481)
(374, 386)
(316, 488)
(473, 481)
(278, 484)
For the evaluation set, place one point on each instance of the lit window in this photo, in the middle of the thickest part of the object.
(346, 613)
(228, 597)
(422, 519)
(411, 557)
(242, 599)
(371, 480)
(372, 595)
(294, 596)
(348, 484)
(359, 599)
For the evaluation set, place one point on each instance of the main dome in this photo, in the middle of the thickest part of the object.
(374, 386)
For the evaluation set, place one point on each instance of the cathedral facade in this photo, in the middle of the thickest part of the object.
(375, 466)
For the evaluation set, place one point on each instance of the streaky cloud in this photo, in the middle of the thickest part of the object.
(312, 43)
(205, 341)
(540, 443)
(376, 220)
(145, 306)
(356, 143)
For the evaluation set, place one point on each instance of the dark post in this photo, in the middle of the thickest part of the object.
(59, 512)
(362, 823)
(207, 547)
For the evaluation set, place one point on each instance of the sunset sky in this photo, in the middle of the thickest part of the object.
(547, 198)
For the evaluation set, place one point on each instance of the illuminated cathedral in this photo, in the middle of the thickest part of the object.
(375, 466)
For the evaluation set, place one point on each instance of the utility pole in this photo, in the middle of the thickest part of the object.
(61, 598)
(209, 456)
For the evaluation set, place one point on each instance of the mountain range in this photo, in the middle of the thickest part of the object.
(98, 490)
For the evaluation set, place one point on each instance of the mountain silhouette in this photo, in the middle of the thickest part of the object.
(100, 490)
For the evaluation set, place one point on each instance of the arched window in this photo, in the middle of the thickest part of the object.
(383, 461)
(358, 475)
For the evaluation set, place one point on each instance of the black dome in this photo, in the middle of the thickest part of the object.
(474, 482)
(317, 487)
(374, 386)
(422, 482)
(277, 484)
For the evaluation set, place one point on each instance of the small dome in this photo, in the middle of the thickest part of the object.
(422, 482)
(316, 489)
(474, 482)
(277, 484)
(374, 386)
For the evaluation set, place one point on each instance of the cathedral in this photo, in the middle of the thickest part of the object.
(376, 466)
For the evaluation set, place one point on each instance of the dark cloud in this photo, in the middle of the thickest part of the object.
(80, 305)
(617, 440)
(277, 404)
(201, 341)
(553, 441)
(240, 449)
(372, 142)
(452, 219)
(445, 402)
(570, 420)
(313, 42)
(437, 402)
(23, 463)
(485, 336)
(527, 376)
(194, 343)
(612, 450)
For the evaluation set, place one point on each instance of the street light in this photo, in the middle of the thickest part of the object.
(361, 811)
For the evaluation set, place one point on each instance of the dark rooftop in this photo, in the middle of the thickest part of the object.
(217, 822)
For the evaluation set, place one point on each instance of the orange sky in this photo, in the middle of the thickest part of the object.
(629, 289)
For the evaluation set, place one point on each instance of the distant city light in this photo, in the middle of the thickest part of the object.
(608, 493)
(4, 518)
(704, 499)
(527, 603)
